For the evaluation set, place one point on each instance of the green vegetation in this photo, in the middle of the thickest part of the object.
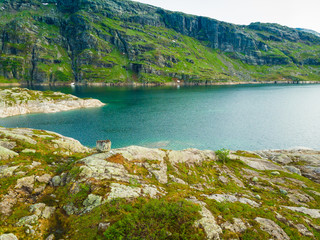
(43, 155)
(84, 209)
(157, 219)
(103, 46)
(223, 155)
(24, 95)
(246, 154)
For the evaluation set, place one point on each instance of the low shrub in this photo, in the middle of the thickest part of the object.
(222, 155)
(158, 219)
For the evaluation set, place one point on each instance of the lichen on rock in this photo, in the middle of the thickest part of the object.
(248, 196)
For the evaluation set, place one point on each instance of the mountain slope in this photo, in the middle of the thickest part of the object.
(54, 41)
(309, 31)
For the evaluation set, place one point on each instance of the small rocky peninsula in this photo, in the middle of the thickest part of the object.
(17, 101)
(52, 187)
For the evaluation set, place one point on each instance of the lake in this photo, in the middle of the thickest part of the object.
(248, 117)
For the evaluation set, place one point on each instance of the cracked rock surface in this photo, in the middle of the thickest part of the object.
(53, 187)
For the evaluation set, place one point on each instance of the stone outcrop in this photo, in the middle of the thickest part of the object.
(208, 221)
(190, 156)
(314, 213)
(231, 198)
(69, 145)
(9, 236)
(130, 192)
(249, 195)
(91, 202)
(26, 183)
(305, 162)
(21, 134)
(272, 228)
(237, 226)
(6, 153)
(17, 101)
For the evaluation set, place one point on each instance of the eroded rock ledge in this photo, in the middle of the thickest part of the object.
(52, 187)
(17, 101)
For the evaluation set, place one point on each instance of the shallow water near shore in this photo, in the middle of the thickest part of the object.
(250, 117)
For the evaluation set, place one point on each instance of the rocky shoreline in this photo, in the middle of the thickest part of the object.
(52, 187)
(150, 84)
(18, 101)
(196, 83)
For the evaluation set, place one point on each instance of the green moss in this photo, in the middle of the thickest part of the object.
(19, 211)
(246, 154)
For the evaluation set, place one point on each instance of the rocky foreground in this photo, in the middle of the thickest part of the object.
(52, 187)
(17, 101)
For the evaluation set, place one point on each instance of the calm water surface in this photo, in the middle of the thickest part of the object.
(234, 117)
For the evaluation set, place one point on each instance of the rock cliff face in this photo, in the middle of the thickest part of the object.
(17, 101)
(122, 41)
(52, 187)
(309, 31)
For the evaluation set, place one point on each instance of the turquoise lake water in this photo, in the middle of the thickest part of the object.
(250, 117)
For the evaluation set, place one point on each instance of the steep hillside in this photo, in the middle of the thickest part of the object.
(54, 41)
(52, 187)
(309, 31)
